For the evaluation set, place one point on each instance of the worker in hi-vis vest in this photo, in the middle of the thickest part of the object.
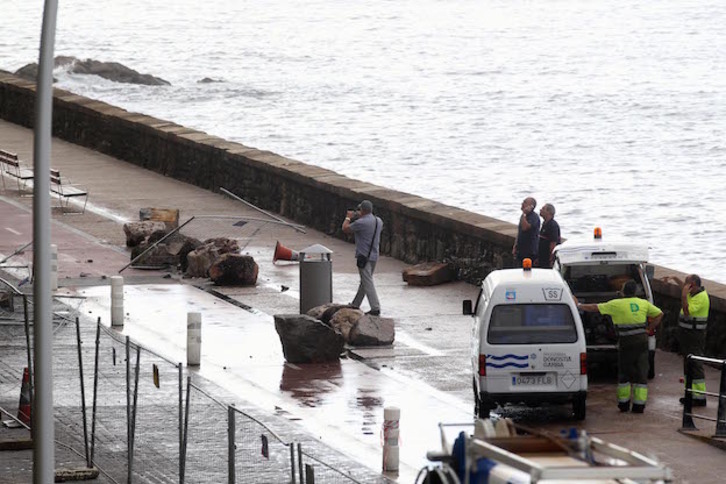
(633, 318)
(692, 323)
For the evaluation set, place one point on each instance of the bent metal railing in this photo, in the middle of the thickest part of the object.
(688, 414)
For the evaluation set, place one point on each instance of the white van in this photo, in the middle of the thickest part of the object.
(528, 343)
(595, 270)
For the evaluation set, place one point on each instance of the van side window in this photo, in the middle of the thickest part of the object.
(531, 324)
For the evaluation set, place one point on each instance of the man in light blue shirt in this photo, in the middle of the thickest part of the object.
(367, 230)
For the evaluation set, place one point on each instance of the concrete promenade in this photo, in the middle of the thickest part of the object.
(426, 373)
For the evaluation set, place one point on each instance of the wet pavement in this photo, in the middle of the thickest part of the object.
(426, 372)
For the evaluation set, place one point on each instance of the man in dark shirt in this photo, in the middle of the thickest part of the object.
(549, 237)
(526, 244)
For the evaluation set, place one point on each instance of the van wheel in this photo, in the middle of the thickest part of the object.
(579, 407)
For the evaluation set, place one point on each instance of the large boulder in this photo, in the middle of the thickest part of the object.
(158, 256)
(167, 215)
(318, 311)
(307, 340)
(372, 331)
(428, 274)
(200, 260)
(345, 319)
(137, 232)
(234, 270)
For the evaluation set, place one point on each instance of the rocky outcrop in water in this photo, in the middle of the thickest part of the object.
(113, 71)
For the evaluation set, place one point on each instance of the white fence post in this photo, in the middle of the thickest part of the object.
(194, 339)
(117, 301)
(53, 267)
(391, 417)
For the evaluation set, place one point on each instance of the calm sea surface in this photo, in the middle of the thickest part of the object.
(614, 111)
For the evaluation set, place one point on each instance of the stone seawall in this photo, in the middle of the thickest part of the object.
(417, 229)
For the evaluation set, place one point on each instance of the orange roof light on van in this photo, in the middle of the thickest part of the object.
(598, 233)
(527, 264)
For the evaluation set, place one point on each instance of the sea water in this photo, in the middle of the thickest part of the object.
(614, 111)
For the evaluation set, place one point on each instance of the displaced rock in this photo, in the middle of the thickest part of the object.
(159, 256)
(137, 232)
(307, 340)
(201, 259)
(208, 80)
(325, 312)
(318, 311)
(234, 270)
(428, 274)
(372, 331)
(167, 215)
(345, 319)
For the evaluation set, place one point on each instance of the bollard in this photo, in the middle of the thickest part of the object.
(391, 417)
(53, 267)
(194, 339)
(117, 301)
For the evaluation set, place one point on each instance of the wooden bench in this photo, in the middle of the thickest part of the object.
(12, 167)
(66, 191)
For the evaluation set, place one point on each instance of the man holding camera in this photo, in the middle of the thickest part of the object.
(526, 245)
(366, 228)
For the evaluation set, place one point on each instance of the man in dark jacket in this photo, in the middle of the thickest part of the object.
(526, 245)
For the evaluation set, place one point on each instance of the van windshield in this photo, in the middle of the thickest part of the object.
(531, 324)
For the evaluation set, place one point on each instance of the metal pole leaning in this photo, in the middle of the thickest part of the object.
(95, 390)
(231, 468)
(292, 462)
(128, 412)
(181, 423)
(29, 352)
(687, 423)
(274, 217)
(300, 463)
(83, 392)
(18, 251)
(183, 455)
(721, 415)
(175, 230)
(134, 408)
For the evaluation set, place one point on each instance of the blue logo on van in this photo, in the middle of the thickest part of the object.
(510, 294)
(508, 360)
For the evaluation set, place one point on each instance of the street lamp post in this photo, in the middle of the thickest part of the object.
(43, 433)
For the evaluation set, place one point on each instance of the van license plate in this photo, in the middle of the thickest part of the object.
(533, 380)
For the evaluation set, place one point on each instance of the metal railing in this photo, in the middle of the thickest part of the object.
(688, 414)
(126, 412)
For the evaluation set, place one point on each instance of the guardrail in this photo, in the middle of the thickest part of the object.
(688, 414)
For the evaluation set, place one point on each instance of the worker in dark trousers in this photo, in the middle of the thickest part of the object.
(692, 323)
(633, 318)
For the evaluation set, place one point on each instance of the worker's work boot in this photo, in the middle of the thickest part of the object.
(624, 406)
(638, 408)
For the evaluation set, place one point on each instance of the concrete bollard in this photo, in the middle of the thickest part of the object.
(117, 301)
(194, 339)
(391, 417)
(53, 267)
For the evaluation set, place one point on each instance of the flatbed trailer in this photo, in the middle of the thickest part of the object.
(512, 454)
